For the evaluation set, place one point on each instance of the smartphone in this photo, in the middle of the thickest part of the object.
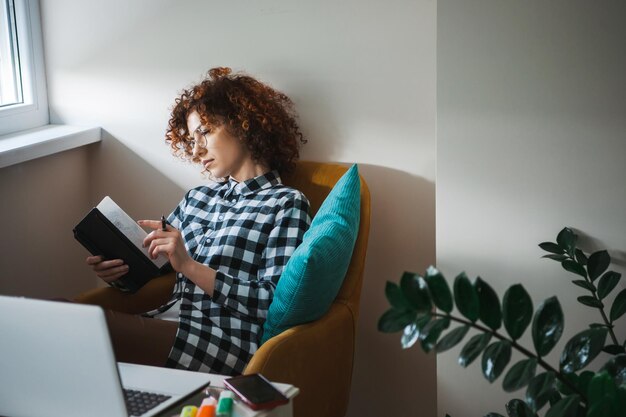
(256, 391)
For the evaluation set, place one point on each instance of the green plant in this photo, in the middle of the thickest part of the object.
(422, 307)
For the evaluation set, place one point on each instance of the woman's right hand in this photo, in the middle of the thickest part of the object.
(108, 271)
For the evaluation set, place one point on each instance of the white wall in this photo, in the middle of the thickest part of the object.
(531, 105)
(362, 75)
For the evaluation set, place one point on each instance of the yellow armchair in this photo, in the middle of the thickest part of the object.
(316, 357)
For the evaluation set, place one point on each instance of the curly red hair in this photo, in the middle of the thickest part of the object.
(257, 114)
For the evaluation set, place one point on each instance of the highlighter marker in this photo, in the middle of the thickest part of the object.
(189, 411)
(207, 408)
(225, 404)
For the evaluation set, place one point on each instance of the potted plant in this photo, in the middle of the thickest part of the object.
(422, 308)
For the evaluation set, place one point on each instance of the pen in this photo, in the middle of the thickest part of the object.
(163, 224)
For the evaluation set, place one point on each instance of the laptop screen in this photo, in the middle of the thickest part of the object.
(56, 360)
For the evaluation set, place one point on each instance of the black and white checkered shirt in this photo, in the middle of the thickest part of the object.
(246, 232)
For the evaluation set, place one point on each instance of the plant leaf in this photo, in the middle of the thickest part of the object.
(563, 387)
(597, 263)
(518, 408)
(489, 310)
(452, 338)
(619, 306)
(616, 368)
(395, 320)
(602, 390)
(395, 297)
(465, 297)
(565, 407)
(554, 257)
(517, 311)
(552, 248)
(581, 349)
(603, 409)
(410, 335)
(539, 390)
(590, 301)
(575, 267)
(566, 239)
(422, 321)
(621, 397)
(519, 375)
(555, 398)
(614, 349)
(492, 414)
(581, 258)
(431, 332)
(607, 283)
(473, 348)
(414, 290)
(547, 326)
(495, 358)
(439, 289)
(584, 284)
(583, 380)
(411, 332)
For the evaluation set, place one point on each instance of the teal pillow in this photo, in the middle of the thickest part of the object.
(314, 273)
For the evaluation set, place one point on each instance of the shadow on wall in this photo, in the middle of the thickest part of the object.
(138, 187)
(388, 380)
(592, 244)
(42, 200)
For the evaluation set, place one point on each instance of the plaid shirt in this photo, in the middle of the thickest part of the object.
(246, 232)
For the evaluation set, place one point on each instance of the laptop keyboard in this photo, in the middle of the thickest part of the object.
(140, 402)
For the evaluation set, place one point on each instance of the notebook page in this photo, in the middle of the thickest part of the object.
(128, 227)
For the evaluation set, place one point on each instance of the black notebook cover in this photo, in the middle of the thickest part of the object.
(101, 237)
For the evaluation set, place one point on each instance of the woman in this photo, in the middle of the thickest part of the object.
(228, 241)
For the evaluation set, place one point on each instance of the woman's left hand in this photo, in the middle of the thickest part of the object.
(168, 242)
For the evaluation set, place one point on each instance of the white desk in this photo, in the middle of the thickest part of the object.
(239, 408)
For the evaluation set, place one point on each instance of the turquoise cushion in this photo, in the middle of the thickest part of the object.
(314, 273)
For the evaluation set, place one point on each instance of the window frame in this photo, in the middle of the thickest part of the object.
(33, 112)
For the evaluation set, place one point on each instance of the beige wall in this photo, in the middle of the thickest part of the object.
(530, 138)
(362, 75)
(41, 202)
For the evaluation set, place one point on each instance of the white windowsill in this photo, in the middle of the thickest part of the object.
(42, 141)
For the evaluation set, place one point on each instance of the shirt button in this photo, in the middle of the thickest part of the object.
(233, 201)
(179, 275)
(186, 289)
(221, 217)
(208, 240)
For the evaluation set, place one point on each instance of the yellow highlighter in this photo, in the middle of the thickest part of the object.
(189, 411)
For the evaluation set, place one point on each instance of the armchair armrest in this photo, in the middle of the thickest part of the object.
(317, 358)
(152, 295)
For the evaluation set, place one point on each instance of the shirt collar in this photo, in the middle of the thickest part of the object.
(253, 185)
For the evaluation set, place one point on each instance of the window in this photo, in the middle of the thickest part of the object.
(10, 74)
(23, 101)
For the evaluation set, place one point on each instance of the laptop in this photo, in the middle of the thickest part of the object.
(56, 360)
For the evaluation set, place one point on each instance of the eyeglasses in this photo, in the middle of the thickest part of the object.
(199, 137)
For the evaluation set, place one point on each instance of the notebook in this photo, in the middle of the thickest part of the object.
(56, 360)
(108, 231)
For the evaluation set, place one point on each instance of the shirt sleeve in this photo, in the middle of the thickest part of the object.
(252, 298)
(176, 217)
